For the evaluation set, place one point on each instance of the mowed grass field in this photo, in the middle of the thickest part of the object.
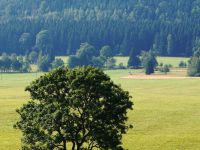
(166, 113)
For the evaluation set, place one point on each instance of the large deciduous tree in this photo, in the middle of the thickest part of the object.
(81, 106)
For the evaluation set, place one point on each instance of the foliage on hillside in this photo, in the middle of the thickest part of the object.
(168, 27)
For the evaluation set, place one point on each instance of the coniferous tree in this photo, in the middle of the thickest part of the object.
(43, 62)
(194, 64)
(149, 62)
(134, 60)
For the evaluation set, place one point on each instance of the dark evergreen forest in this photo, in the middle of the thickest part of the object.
(169, 27)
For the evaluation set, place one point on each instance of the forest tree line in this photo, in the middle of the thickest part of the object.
(168, 27)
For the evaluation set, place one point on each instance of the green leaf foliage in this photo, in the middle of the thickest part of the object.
(81, 106)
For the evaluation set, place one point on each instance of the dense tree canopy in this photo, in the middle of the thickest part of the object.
(13, 63)
(87, 55)
(81, 106)
(168, 26)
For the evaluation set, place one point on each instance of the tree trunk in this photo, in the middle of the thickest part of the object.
(79, 146)
(64, 145)
(73, 146)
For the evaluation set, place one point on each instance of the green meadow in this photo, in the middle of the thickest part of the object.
(166, 113)
(174, 61)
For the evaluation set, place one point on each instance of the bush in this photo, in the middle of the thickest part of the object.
(121, 66)
(44, 63)
(165, 69)
(57, 63)
(194, 67)
(110, 63)
(182, 64)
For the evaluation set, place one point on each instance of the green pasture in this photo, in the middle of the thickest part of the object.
(174, 61)
(166, 113)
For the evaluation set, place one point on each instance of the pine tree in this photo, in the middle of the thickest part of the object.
(134, 60)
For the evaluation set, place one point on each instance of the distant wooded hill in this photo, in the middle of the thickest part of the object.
(169, 27)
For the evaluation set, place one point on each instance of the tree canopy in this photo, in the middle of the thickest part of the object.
(81, 106)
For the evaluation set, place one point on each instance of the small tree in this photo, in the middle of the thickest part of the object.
(81, 106)
(73, 61)
(25, 42)
(165, 69)
(25, 66)
(44, 42)
(6, 62)
(194, 64)
(98, 62)
(1, 65)
(121, 66)
(16, 65)
(182, 64)
(134, 60)
(106, 51)
(85, 54)
(149, 62)
(32, 57)
(44, 62)
(110, 63)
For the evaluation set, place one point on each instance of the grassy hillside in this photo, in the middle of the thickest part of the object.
(165, 116)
